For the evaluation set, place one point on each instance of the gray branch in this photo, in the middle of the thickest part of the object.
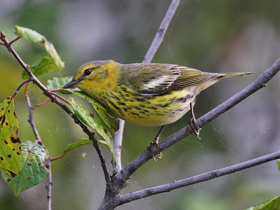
(197, 179)
(161, 31)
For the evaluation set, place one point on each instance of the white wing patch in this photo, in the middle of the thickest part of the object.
(160, 81)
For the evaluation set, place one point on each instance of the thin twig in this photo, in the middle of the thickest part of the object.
(30, 115)
(161, 31)
(20, 86)
(49, 186)
(42, 104)
(14, 40)
(260, 82)
(58, 96)
(197, 179)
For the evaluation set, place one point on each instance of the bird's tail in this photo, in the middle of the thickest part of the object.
(217, 77)
(236, 74)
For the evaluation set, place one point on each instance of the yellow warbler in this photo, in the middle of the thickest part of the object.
(151, 94)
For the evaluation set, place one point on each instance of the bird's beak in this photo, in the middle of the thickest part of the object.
(71, 84)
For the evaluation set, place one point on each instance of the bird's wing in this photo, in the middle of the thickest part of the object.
(149, 79)
(156, 79)
(190, 77)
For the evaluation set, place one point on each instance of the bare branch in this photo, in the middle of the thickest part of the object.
(197, 179)
(161, 31)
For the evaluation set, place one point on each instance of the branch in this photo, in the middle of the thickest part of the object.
(197, 179)
(148, 58)
(161, 31)
(259, 83)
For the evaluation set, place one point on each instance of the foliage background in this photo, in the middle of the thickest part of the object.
(212, 35)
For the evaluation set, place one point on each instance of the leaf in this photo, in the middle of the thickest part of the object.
(271, 204)
(58, 82)
(29, 34)
(10, 153)
(39, 39)
(34, 171)
(81, 142)
(93, 121)
(76, 144)
(108, 119)
(46, 65)
(278, 164)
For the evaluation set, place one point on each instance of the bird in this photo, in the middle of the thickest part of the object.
(145, 94)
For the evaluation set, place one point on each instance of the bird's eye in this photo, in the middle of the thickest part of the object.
(87, 72)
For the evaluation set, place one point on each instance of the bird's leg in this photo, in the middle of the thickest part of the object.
(193, 124)
(155, 143)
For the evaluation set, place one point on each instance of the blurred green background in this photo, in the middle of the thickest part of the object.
(212, 35)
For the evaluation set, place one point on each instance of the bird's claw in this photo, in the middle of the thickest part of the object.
(196, 129)
(151, 147)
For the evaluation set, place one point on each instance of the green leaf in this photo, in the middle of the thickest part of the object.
(278, 164)
(81, 142)
(58, 82)
(76, 144)
(10, 153)
(271, 204)
(46, 65)
(29, 34)
(108, 119)
(93, 121)
(34, 171)
(39, 39)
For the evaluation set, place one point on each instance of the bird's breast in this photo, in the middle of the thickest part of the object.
(149, 110)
